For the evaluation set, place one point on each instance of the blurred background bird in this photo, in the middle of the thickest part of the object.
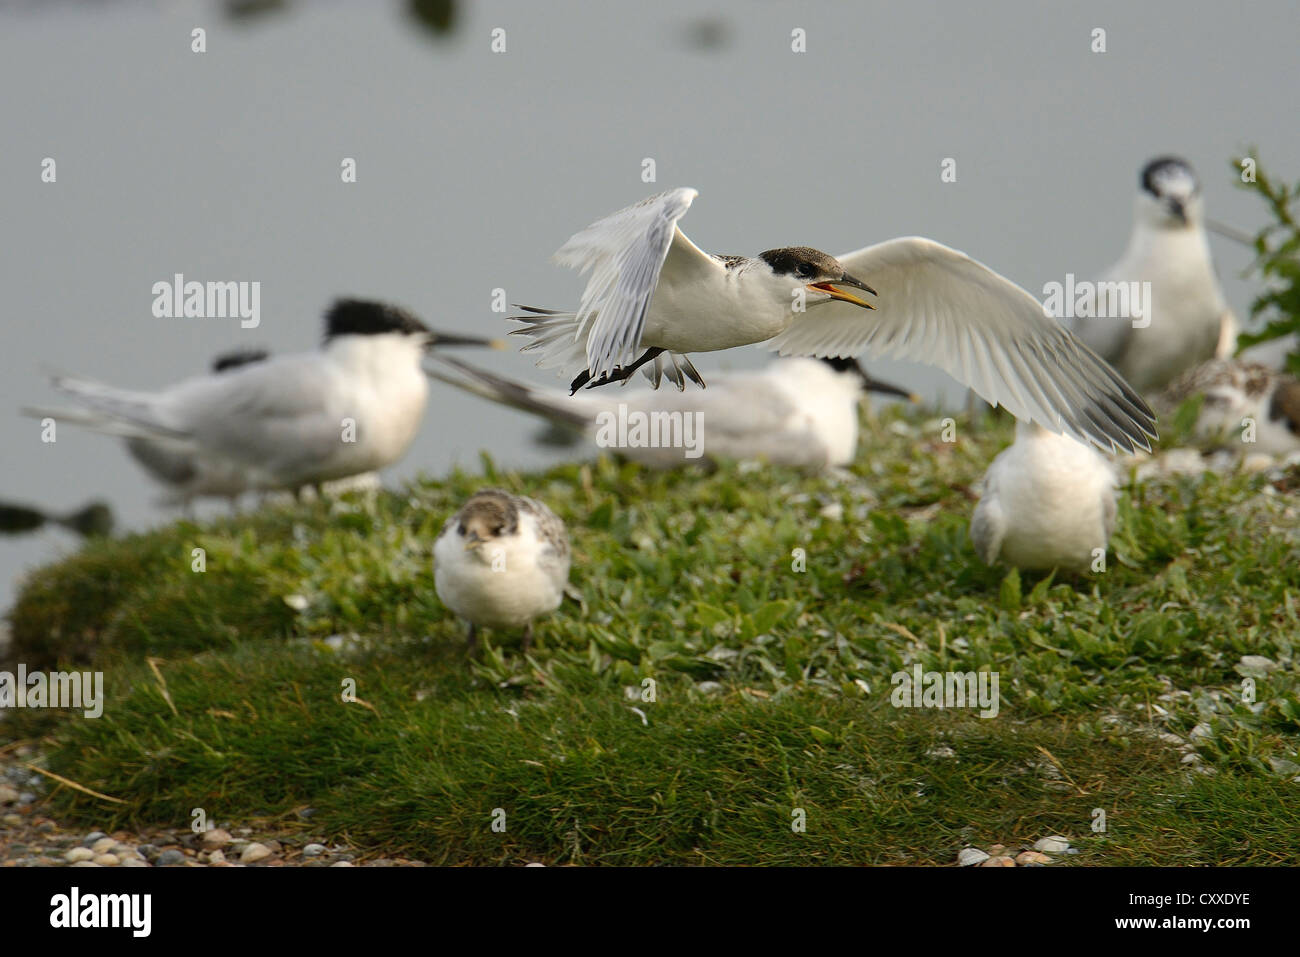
(94, 520)
(1189, 321)
(797, 412)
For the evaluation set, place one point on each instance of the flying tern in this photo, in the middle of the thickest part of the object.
(501, 561)
(654, 296)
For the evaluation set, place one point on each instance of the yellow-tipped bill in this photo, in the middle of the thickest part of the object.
(847, 280)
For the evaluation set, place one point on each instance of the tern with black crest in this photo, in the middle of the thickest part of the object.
(653, 296)
(285, 422)
(1189, 320)
(796, 412)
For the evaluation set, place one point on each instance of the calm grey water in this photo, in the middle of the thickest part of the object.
(473, 167)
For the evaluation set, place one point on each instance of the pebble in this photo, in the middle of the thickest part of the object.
(534, 864)
(8, 795)
(996, 849)
(134, 862)
(103, 845)
(147, 851)
(216, 857)
(13, 820)
(1026, 858)
(1052, 845)
(86, 864)
(342, 864)
(313, 850)
(171, 858)
(79, 854)
(1002, 861)
(1257, 664)
(254, 852)
(92, 837)
(971, 855)
(216, 838)
(107, 860)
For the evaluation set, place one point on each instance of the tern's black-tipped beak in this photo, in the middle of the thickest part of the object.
(437, 339)
(845, 280)
(884, 388)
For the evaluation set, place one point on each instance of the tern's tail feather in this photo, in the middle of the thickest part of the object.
(97, 421)
(125, 410)
(558, 336)
(480, 382)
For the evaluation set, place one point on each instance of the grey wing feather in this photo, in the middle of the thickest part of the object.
(937, 305)
(624, 253)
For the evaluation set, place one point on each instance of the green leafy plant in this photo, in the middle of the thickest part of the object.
(1277, 258)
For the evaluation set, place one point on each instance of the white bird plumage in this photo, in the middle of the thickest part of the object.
(354, 406)
(501, 561)
(654, 295)
(796, 412)
(1247, 406)
(1190, 321)
(1047, 502)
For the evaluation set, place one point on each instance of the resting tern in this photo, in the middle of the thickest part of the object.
(186, 475)
(1048, 501)
(1190, 321)
(353, 406)
(1248, 407)
(654, 295)
(501, 561)
(797, 412)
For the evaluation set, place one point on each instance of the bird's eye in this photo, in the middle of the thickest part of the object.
(804, 272)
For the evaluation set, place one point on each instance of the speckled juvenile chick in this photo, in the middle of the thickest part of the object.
(501, 561)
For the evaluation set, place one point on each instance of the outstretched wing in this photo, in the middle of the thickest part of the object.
(625, 254)
(940, 307)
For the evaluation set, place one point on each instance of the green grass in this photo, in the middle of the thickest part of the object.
(772, 685)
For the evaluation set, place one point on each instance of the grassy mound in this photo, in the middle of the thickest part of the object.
(770, 685)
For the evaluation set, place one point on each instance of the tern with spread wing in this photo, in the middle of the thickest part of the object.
(654, 296)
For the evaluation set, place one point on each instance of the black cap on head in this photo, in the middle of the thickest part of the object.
(868, 383)
(1160, 173)
(240, 357)
(365, 317)
(845, 365)
(802, 262)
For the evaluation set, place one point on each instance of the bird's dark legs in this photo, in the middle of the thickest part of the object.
(471, 639)
(528, 637)
(619, 374)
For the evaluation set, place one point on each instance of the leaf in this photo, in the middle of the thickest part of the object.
(1009, 593)
(821, 735)
(768, 615)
